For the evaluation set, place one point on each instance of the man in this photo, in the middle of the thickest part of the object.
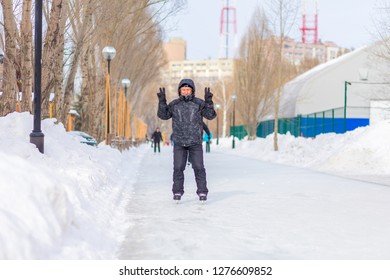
(187, 113)
(157, 138)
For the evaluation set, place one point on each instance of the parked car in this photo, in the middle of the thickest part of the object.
(84, 137)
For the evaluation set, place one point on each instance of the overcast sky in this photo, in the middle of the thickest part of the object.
(348, 23)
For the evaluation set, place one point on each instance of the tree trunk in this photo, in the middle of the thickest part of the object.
(280, 50)
(26, 56)
(87, 84)
(8, 98)
(85, 94)
(51, 47)
(77, 54)
(59, 67)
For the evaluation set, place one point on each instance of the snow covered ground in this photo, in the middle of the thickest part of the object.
(256, 210)
(81, 202)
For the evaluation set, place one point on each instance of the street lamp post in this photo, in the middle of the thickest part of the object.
(36, 136)
(217, 106)
(126, 84)
(108, 54)
(345, 105)
(234, 97)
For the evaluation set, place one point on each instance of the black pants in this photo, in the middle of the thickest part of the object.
(180, 155)
(156, 146)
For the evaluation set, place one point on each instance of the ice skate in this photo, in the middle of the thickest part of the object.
(202, 197)
(177, 197)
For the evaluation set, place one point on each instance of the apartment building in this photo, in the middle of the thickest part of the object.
(296, 52)
(211, 69)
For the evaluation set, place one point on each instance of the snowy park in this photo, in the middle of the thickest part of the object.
(315, 199)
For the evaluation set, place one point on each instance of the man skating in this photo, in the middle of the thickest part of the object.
(157, 138)
(187, 113)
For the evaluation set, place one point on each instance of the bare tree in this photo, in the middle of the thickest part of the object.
(52, 48)
(139, 51)
(59, 68)
(283, 15)
(254, 73)
(382, 28)
(80, 19)
(26, 56)
(11, 66)
(75, 32)
(131, 27)
(224, 90)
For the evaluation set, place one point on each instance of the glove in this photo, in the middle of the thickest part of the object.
(161, 96)
(208, 96)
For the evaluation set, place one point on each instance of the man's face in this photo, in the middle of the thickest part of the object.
(185, 91)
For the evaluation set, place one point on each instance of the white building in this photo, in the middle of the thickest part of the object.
(316, 99)
(296, 52)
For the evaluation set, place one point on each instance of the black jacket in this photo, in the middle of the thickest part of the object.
(157, 137)
(187, 115)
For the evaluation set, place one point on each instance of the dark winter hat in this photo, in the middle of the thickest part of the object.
(186, 82)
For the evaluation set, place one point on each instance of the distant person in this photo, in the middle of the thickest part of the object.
(157, 138)
(187, 113)
(207, 137)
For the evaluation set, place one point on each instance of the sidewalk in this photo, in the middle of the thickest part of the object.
(255, 210)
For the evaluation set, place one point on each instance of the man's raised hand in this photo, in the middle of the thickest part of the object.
(208, 96)
(161, 96)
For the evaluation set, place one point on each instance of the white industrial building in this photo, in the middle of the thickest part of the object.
(360, 79)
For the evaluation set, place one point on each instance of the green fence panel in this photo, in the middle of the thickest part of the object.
(310, 125)
(238, 131)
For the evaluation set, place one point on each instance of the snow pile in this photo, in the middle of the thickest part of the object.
(362, 152)
(65, 203)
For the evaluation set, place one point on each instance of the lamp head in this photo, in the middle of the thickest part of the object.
(108, 52)
(126, 83)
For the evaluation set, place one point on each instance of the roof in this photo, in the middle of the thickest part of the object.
(322, 87)
(292, 90)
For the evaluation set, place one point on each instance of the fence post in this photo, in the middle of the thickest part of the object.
(323, 121)
(299, 125)
(307, 125)
(333, 120)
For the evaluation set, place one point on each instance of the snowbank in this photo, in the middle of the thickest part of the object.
(67, 203)
(363, 153)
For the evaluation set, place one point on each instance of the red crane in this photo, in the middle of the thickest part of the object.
(228, 28)
(309, 28)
